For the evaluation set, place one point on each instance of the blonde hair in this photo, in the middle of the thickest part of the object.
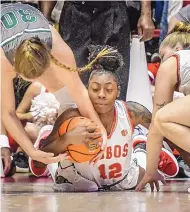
(32, 58)
(180, 34)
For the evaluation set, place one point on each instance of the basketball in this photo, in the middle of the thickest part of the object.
(80, 152)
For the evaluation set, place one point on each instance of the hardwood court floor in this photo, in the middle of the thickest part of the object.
(23, 193)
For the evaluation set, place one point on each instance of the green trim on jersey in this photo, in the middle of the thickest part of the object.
(12, 38)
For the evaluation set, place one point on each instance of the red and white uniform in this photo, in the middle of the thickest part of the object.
(116, 163)
(183, 68)
(116, 169)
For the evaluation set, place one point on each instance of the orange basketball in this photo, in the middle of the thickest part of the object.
(80, 152)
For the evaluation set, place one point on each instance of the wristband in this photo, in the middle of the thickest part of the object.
(4, 141)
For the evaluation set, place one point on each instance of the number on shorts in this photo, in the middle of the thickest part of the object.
(9, 20)
(115, 171)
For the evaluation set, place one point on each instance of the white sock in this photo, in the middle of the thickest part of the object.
(140, 156)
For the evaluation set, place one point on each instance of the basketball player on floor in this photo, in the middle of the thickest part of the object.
(124, 161)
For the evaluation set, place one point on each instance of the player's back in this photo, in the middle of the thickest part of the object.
(20, 21)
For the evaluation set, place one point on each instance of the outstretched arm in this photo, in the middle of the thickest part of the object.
(54, 143)
(10, 119)
(80, 134)
(165, 85)
(72, 81)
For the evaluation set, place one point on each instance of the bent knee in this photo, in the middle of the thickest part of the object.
(160, 118)
(31, 130)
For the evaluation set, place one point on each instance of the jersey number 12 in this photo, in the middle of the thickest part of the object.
(114, 171)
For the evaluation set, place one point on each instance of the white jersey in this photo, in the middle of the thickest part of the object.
(116, 162)
(117, 168)
(183, 61)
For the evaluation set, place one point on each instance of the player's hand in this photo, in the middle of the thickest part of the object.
(82, 134)
(103, 149)
(6, 155)
(153, 180)
(145, 27)
(46, 157)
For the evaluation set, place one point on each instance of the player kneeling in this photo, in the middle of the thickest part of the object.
(123, 164)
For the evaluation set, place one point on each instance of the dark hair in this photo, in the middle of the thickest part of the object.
(108, 64)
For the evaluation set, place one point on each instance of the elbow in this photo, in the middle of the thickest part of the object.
(8, 114)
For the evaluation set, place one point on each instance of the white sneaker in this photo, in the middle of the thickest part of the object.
(69, 180)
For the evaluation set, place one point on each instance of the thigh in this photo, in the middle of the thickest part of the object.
(177, 111)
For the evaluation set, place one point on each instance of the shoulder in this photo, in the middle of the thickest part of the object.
(168, 68)
(34, 89)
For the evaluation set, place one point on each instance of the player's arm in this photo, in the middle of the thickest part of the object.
(139, 114)
(165, 85)
(73, 82)
(55, 143)
(8, 114)
(22, 110)
(47, 7)
(145, 25)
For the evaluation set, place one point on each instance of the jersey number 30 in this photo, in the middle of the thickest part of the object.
(10, 20)
(115, 171)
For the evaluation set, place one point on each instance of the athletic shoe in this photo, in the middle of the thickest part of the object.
(74, 182)
(184, 169)
(21, 162)
(43, 171)
(168, 164)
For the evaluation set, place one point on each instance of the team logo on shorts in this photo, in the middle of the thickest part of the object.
(124, 132)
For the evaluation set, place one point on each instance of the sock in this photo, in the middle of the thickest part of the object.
(140, 156)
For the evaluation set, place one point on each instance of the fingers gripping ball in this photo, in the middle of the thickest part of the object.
(80, 152)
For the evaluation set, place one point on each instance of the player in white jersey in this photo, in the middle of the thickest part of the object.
(123, 163)
(172, 121)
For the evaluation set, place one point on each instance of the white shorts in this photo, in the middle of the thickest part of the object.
(92, 173)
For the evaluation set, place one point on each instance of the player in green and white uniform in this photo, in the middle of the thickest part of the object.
(24, 31)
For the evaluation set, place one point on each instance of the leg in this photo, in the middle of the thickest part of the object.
(185, 155)
(32, 130)
(173, 122)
